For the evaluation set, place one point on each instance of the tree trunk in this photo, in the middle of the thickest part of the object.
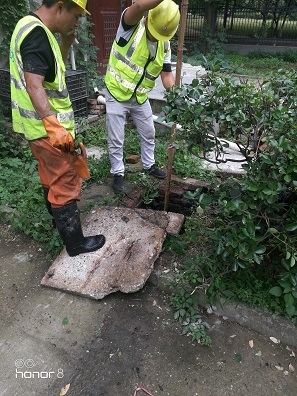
(210, 17)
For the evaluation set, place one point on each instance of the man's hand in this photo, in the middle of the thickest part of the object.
(79, 162)
(59, 137)
(136, 11)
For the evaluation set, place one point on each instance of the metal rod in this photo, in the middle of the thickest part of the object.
(180, 47)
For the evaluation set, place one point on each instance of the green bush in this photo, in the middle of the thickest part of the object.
(251, 220)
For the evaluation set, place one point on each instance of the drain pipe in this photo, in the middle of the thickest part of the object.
(72, 55)
(100, 98)
(180, 45)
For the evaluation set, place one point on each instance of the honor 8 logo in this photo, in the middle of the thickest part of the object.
(25, 369)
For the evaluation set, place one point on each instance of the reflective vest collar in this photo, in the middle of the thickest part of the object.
(140, 31)
(32, 22)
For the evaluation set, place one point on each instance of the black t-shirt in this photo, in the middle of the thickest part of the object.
(37, 54)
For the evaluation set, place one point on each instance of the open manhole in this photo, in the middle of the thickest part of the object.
(177, 202)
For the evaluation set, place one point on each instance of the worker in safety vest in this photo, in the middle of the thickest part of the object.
(42, 112)
(140, 53)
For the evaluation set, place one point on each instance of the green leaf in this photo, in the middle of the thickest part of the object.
(291, 227)
(276, 291)
(273, 230)
(257, 259)
(182, 312)
(290, 309)
(237, 357)
(261, 249)
(65, 321)
(176, 315)
(289, 299)
(204, 199)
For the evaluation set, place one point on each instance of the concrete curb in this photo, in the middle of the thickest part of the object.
(254, 319)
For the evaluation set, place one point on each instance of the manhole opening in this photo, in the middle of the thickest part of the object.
(177, 202)
(180, 205)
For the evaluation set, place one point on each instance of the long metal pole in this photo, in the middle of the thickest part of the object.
(180, 46)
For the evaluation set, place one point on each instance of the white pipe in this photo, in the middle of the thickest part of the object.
(72, 58)
(100, 99)
(156, 119)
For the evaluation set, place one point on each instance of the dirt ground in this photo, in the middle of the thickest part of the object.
(140, 345)
(112, 346)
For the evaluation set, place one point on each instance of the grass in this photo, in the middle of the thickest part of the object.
(260, 63)
(246, 27)
(254, 28)
(256, 63)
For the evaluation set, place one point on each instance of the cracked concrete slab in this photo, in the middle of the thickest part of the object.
(134, 239)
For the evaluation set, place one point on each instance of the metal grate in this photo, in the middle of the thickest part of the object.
(80, 108)
(5, 105)
(5, 83)
(77, 84)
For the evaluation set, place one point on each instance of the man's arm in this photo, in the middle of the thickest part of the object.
(59, 137)
(65, 44)
(136, 11)
(37, 94)
(167, 79)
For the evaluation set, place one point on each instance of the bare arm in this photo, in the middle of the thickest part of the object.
(58, 136)
(136, 11)
(65, 44)
(37, 94)
(167, 79)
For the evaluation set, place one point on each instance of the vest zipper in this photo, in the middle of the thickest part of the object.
(142, 77)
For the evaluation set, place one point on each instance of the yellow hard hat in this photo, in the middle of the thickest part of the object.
(82, 4)
(163, 20)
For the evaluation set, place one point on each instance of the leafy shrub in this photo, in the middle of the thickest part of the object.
(21, 191)
(252, 220)
(10, 15)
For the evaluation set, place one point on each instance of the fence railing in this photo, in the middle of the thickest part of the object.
(247, 25)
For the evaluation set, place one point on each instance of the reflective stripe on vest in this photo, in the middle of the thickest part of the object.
(130, 70)
(24, 117)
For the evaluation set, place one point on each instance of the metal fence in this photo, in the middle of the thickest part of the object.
(247, 25)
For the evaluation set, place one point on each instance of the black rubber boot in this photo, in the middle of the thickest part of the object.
(67, 220)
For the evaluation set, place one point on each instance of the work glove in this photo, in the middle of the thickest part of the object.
(78, 161)
(59, 137)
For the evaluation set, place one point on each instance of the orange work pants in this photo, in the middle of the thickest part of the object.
(56, 173)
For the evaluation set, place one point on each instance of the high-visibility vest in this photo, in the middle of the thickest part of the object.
(130, 70)
(24, 117)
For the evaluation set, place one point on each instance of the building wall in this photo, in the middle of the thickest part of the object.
(105, 16)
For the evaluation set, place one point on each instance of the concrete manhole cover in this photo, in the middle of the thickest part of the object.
(134, 239)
